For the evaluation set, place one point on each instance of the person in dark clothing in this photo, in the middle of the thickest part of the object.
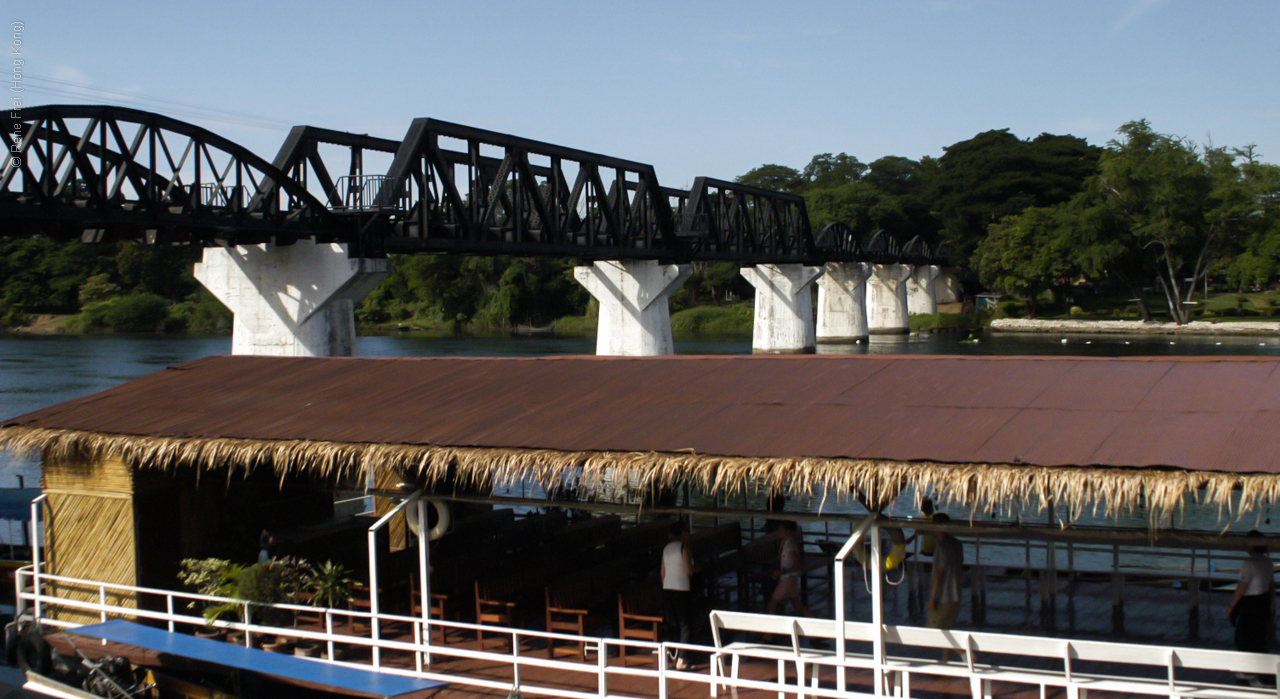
(1251, 607)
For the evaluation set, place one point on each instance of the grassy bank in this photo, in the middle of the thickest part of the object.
(935, 322)
(732, 320)
(1264, 305)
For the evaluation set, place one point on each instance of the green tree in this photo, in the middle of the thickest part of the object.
(165, 271)
(1184, 206)
(858, 205)
(1257, 261)
(826, 170)
(1025, 254)
(778, 178)
(995, 174)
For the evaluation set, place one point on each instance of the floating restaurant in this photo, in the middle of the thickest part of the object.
(527, 500)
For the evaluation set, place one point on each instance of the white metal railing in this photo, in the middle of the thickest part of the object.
(910, 657)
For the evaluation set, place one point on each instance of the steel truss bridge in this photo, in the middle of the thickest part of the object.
(107, 173)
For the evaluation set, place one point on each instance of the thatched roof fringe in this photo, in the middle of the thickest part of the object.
(1009, 487)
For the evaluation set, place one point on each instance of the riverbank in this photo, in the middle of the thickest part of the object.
(41, 325)
(1135, 327)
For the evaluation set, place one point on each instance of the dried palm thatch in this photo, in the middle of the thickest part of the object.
(1075, 490)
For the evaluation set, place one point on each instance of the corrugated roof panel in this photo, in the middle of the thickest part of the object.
(1183, 440)
(1254, 446)
(1049, 437)
(1103, 385)
(1214, 414)
(937, 434)
(1189, 388)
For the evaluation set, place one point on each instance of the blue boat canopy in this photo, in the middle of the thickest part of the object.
(315, 672)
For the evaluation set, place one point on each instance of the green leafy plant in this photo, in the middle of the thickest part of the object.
(330, 585)
(215, 577)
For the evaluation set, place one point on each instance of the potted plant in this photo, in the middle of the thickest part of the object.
(214, 577)
(329, 586)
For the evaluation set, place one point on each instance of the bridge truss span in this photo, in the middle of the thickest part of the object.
(108, 173)
(472, 190)
(99, 173)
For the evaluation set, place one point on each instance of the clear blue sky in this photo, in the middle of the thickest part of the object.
(695, 88)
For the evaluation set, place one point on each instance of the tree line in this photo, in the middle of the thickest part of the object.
(1148, 211)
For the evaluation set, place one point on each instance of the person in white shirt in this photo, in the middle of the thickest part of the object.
(944, 592)
(788, 573)
(677, 567)
(1251, 607)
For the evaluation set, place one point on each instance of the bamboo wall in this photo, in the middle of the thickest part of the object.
(397, 528)
(89, 529)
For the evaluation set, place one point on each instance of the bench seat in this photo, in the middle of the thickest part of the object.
(898, 669)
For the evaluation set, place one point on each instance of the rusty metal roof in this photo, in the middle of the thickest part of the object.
(1218, 414)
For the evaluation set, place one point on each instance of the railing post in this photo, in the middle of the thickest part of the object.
(877, 608)
(602, 666)
(417, 641)
(515, 661)
(855, 539)
(662, 672)
(168, 607)
(373, 597)
(424, 573)
(38, 611)
(1117, 589)
(248, 621)
(102, 601)
(328, 629)
(374, 610)
(20, 603)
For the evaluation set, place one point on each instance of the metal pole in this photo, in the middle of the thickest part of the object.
(424, 570)
(854, 538)
(373, 596)
(373, 575)
(1049, 579)
(877, 610)
(35, 554)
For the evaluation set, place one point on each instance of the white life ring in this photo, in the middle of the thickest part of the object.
(443, 518)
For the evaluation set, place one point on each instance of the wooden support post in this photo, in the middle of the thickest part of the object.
(1117, 592)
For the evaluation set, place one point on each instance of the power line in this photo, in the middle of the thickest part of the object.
(189, 110)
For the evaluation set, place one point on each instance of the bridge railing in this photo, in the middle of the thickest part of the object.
(370, 193)
(221, 196)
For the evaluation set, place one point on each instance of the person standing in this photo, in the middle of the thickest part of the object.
(1251, 607)
(927, 541)
(266, 547)
(789, 568)
(944, 592)
(677, 568)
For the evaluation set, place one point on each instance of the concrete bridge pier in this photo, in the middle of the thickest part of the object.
(887, 300)
(842, 302)
(922, 290)
(784, 308)
(296, 300)
(635, 316)
(947, 287)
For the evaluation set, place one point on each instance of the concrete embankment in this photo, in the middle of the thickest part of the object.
(1133, 327)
